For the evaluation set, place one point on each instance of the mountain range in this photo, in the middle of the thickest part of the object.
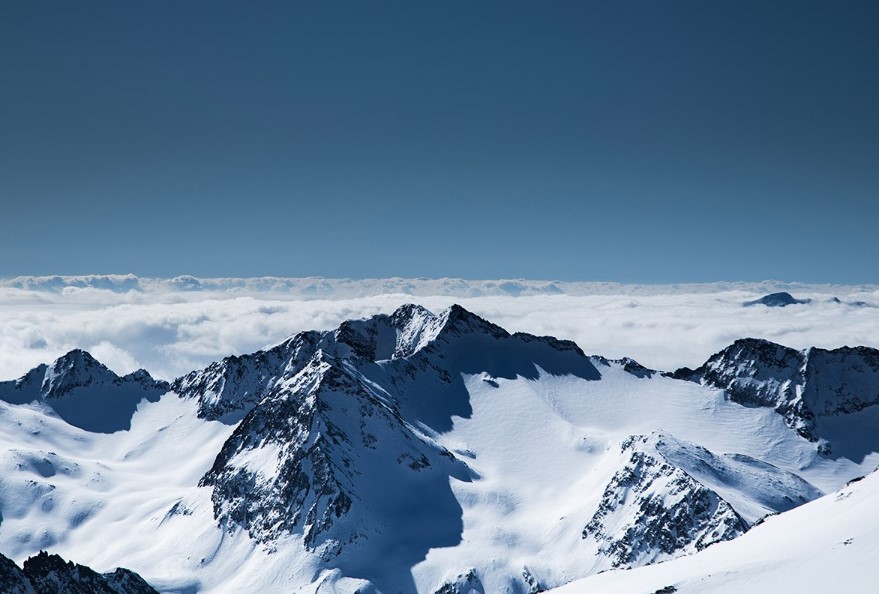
(429, 453)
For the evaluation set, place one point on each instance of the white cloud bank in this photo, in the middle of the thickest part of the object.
(172, 326)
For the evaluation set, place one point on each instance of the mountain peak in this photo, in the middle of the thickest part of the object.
(75, 369)
(458, 320)
(800, 385)
(85, 392)
(781, 299)
(410, 311)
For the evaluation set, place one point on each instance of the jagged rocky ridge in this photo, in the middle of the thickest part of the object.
(802, 386)
(226, 390)
(465, 583)
(296, 462)
(50, 574)
(671, 497)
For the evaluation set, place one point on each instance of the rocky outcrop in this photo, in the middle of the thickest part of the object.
(801, 386)
(50, 574)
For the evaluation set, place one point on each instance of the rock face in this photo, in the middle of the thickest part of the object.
(802, 386)
(84, 392)
(465, 583)
(314, 449)
(651, 510)
(229, 389)
(50, 574)
(671, 497)
(12, 578)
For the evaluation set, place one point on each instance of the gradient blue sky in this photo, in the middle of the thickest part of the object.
(624, 141)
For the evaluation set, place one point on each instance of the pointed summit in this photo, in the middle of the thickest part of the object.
(462, 321)
(85, 392)
(76, 369)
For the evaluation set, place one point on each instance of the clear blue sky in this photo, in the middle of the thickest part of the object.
(627, 141)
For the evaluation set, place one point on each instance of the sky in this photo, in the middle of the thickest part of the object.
(646, 142)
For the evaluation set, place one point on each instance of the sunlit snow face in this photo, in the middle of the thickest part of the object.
(172, 327)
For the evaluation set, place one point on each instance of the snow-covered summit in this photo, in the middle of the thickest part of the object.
(671, 497)
(802, 386)
(410, 336)
(84, 392)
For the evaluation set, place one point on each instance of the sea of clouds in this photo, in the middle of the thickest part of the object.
(172, 326)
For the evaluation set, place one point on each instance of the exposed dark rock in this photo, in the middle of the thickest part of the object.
(12, 578)
(227, 390)
(50, 574)
(652, 509)
(782, 299)
(802, 386)
(467, 583)
(84, 392)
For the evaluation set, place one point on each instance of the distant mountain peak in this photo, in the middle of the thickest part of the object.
(780, 299)
(85, 392)
(76, 369)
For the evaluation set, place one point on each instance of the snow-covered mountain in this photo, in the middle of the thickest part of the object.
(83, 392)
(827, 545)
(671, 497)
(420, 452)
(804, 387)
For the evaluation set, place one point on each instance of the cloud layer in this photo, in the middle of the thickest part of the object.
(172, 326)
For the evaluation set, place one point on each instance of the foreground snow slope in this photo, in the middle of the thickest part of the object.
(423, 453)
(828, 545)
